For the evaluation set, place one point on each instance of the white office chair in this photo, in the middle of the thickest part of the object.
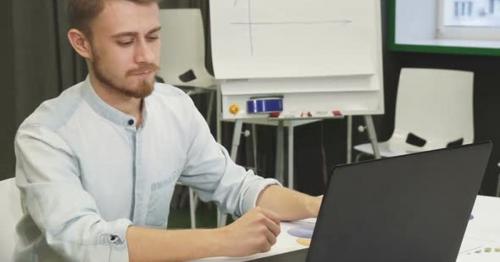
(183, 49)
(434, 109)
(182, 61)
(10, 204)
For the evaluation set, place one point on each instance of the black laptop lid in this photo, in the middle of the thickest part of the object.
(411, 208)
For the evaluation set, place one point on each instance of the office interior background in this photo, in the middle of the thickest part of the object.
(37, 64)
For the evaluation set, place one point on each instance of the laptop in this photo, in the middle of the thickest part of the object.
(410, 208)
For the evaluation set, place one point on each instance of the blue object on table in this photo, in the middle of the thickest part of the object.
(301, 231)
(265, 105)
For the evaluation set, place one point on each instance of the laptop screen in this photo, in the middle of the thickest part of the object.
(410, 208)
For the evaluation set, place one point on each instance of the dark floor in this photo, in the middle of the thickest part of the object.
(206, 217)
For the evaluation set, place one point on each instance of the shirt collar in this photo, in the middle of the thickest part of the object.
(105, 110)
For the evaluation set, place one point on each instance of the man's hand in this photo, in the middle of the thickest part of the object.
(254, 232)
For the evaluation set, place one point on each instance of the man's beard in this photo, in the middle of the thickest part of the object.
(144, 89)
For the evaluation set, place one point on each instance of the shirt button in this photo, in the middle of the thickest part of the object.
(115, 239)
(130, 122)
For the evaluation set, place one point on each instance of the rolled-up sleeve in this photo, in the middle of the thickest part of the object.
(47, 175)
(215, 177)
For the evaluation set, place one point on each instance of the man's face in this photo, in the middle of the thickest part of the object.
(126, 47)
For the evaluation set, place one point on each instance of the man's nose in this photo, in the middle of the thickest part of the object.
(144, 53)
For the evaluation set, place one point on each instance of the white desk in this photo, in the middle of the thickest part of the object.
(482, 232)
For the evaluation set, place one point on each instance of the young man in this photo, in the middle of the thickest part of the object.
(97, 165)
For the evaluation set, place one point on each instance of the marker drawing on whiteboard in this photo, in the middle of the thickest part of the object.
(250, 26)
(250, 23)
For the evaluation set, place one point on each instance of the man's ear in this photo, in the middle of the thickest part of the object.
(80, 43)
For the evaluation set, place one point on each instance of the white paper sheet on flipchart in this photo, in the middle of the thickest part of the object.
(294, 38)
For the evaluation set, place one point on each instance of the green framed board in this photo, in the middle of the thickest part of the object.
(422, 46)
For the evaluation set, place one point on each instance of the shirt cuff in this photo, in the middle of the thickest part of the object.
(250, 200)
(117, 240)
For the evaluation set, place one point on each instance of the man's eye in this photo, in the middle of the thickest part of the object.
(153, 37)
(125, 42)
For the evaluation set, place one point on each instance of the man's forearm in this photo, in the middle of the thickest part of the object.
(254, 232)
(289, 204)
(173, 245)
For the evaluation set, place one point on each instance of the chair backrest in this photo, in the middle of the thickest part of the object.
(435, 105)
(183, 48)
(10, 204)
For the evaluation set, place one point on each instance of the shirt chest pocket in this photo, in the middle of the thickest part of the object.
(159, 201)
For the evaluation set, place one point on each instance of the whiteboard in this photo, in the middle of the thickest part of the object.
(320, 56)
(294, 38)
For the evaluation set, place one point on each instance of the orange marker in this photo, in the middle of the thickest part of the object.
(234, 109)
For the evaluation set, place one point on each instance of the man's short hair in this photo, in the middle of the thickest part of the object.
(82, 12)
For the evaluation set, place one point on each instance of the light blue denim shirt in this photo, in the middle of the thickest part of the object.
(86, 173)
